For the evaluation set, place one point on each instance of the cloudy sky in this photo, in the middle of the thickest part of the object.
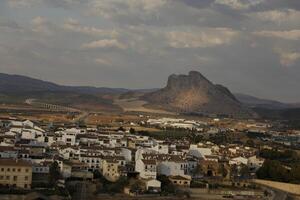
(250, 46)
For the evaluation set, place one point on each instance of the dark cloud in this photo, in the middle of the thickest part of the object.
(197, 3)
(7, 23)
(277, 4)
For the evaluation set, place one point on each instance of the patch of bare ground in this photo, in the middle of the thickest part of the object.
(137, 105)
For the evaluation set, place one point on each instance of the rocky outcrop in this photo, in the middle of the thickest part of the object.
(194, 93)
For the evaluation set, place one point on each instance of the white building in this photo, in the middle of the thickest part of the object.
(199, 152)
(146, 168)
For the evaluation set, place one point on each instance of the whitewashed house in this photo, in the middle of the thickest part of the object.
(146, 168)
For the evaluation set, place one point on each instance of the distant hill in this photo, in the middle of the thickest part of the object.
(253, 102)
(270, 109)
(193, 93)
(16, 89)
(15, 84)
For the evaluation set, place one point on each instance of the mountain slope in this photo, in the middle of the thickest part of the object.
(252, 101)
(193, 93)
(15, 89)
(15, 84)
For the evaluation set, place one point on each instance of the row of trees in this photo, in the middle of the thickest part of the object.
(283, 166)
(276, 171)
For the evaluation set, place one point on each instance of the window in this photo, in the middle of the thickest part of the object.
(8, 169)
(19, 169)
(1, 177)
(26, 178)
(7, 177)
(13, 169)
(27, 170)
(2, 169)
(25, 186)
(15, 178)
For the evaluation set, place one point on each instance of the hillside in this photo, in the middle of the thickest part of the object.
(16, 89)
(194, 93)
(16, 84)
(253, 102)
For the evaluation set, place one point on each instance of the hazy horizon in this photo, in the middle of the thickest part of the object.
(250, 46)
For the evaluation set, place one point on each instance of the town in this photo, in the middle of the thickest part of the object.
(162, 157)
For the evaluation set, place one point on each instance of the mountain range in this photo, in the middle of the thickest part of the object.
(192, 93)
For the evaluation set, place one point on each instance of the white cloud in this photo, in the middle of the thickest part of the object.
(277, 16)
(102, 61)
(288, 35)
(209, 37)
(111, 8)
(41, 25)
(239, 4)
(73, 25)
(287, 58)
(104, 44)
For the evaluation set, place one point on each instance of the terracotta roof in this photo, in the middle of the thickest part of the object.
(12, 162)
(149, 162)
(7, 148)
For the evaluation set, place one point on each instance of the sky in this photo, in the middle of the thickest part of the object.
(250, 46)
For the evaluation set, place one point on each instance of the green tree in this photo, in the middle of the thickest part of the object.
(132, 131)
(167, 186)
(222, 170)
(121, 129)
(54, 173)
(250, 143)
(273, 170)
(244, 171)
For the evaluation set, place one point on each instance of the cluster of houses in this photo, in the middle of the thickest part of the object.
(27, 151)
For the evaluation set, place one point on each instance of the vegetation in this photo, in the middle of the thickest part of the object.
(281, 166)
(132, 131)
(167, 186)
(287, 156)
(275, 171)
(54, 173)
(111, 187)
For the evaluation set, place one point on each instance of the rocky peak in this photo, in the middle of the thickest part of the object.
(193, 79)
(195, 93)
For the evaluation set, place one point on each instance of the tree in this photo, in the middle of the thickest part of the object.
(132, 131)
(273, 170)
(250, 143)
(121, 129)
(167, 186)
(223, 170)
(136, 186)
(244, 171)
(54, 173)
